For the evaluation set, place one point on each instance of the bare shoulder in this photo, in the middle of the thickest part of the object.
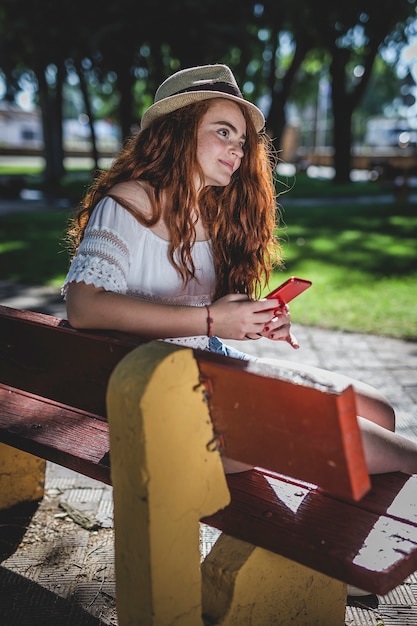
(135, 196)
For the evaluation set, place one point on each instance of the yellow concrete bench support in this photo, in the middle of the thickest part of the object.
(22, 477)
(166, 478)
(164, 481)
(247, 585)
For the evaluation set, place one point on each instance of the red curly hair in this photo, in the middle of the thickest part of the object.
(240, 218)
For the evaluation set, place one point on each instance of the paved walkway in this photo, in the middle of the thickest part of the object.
(62, 573)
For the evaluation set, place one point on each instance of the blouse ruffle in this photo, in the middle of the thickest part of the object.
(103, 260)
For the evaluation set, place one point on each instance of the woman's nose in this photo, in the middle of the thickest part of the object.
(236, 148)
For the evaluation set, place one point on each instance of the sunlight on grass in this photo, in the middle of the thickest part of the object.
(362, 261)
(384, 306)
(11, 246)
(407, 224)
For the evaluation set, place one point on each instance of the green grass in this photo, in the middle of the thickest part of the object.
(32, 249)
(362, 258)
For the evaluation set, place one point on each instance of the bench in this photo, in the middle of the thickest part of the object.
(293, 533)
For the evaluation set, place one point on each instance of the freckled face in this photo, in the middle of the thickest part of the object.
(220, 142)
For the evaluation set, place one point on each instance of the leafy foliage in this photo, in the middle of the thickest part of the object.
(275, 49)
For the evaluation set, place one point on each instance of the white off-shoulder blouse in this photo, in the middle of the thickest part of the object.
(121, 255)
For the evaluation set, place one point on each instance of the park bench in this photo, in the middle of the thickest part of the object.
(293, 533)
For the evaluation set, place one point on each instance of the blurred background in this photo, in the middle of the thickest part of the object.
(337, 85)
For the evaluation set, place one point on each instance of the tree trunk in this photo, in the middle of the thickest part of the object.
(125, 83)
(50, 99)
(89, 112)
(342, 118)
(280, 93)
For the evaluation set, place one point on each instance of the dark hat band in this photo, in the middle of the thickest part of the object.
(228, 88)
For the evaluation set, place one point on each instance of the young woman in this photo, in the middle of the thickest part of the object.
(176, 240)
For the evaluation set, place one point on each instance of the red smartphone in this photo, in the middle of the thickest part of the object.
(290, 289)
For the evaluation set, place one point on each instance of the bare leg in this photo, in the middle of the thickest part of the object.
(385, 450)
(373, 405)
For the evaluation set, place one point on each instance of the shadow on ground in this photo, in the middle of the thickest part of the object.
(26, 603)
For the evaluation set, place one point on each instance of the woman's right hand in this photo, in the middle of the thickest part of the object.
(235, 316)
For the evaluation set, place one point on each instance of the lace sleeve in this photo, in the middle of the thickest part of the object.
(102, 260)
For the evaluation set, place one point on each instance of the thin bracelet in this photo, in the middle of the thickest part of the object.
(210, 321)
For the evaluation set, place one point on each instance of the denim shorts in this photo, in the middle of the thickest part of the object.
(218, 347)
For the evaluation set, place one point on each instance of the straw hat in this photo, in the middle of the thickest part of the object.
(195, 84)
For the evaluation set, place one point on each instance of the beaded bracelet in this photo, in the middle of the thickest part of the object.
(209, 322)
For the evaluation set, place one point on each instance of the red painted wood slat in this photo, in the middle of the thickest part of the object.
(70, 437)
(374, 552)
(253, 413)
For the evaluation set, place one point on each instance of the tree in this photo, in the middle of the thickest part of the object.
(345, 36)
(353, 33)
(32, 38)
(281, 69)
(128, 42)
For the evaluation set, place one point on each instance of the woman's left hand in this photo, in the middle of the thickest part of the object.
(279, 327)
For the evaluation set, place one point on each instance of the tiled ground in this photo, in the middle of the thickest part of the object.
(62, 574)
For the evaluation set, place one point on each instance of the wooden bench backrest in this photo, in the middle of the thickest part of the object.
(291, 427)
(260, 418)
(43, 355)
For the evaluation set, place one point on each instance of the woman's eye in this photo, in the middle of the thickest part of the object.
(224, 132)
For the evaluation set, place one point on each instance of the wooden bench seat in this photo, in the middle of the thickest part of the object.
(371, 543)
(56, 432)
(170, 411)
